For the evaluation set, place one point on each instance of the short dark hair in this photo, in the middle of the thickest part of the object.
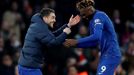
(46, 12)
(84, 4)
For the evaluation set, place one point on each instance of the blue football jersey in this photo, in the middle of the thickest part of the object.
(102, 33)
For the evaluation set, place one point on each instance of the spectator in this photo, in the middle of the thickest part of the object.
(7, 67)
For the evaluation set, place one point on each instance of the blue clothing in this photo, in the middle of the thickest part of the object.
(38, 39)
(102, 34)
(107, 66)
(28, 71)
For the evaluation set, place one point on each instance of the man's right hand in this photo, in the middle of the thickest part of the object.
(67, 30)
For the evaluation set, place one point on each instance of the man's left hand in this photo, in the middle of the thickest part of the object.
(73, 21)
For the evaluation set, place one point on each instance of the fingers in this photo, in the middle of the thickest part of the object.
(74, 21)
(70, 42)
(76, 18)
(66, 44)
(71, 17)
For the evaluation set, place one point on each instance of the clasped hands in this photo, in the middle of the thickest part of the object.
(70, 43)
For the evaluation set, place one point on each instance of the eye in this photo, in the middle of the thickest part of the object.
(53, 17)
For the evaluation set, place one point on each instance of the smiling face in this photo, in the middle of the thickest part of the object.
(50, 19)
(48, 16)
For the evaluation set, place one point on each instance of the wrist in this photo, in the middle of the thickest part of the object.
(66, 33)
(68, 25)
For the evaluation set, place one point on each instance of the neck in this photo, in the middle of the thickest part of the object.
(89, 17)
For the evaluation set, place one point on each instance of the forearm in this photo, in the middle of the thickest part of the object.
(57, 40)
(86, 44)
(60, 30)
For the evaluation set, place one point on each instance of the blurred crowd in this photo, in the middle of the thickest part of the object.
(15, 18)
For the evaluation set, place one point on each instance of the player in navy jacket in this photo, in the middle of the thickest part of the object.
(40, 38)
(102, 33)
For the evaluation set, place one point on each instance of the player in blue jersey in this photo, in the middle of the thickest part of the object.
(102, 33)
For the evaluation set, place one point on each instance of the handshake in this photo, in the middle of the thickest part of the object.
(70, 43)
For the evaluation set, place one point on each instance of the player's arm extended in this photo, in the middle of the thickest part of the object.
(60, 30)
(46, 37)
(72, 22)
(93, 39)
(87, 44)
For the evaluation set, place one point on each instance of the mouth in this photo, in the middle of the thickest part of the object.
(52, 23)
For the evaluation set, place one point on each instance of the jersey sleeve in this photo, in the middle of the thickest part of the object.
(94, 38)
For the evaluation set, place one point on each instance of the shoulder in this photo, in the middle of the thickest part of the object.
(37, 28)
(100, 14)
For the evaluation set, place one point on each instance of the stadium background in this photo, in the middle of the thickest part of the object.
(15, 19)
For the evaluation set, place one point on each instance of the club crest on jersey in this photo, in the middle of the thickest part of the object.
(97, 21)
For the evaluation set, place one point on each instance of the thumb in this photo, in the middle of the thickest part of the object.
(71, 16)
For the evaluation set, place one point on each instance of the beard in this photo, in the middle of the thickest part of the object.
(51, 24)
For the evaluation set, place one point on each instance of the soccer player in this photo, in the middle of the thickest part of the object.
(39, 37)
(102, 33)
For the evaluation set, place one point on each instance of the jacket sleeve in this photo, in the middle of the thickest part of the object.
(46, 37)
(60, 30)
(94, 38)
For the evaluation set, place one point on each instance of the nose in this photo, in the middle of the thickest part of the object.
(54, 20)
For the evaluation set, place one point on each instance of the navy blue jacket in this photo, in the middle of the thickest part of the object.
(39, 36)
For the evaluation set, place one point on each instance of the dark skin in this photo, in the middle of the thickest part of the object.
(85, 13)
